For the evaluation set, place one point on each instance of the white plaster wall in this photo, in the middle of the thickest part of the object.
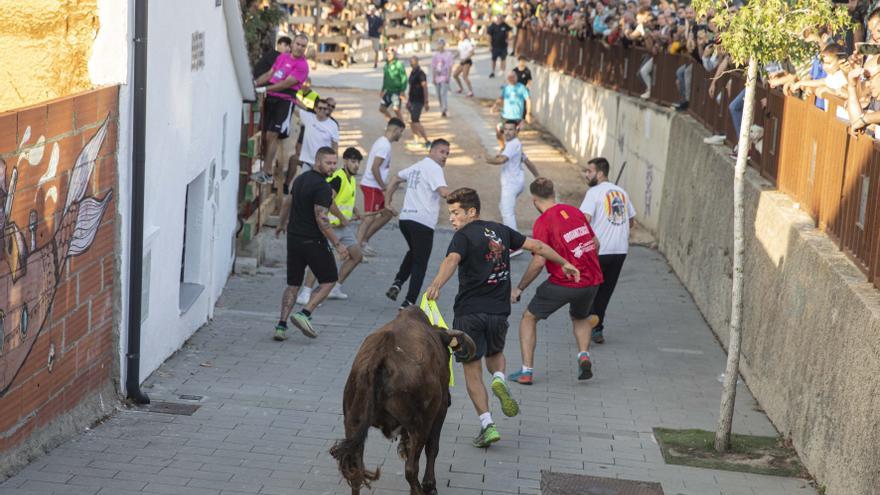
(591, 121)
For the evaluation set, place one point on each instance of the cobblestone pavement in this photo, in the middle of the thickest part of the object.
(271, 410)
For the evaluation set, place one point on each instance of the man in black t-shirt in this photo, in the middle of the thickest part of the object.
(265, 63)
(304, 216)
(499, 32)
(480, 251)
(523, 76)
(375, 21)
(418, 88)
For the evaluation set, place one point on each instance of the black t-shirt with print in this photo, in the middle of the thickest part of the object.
(523, 76)
(416, 90)
(498, 35)
(309, 189)
(484, 269)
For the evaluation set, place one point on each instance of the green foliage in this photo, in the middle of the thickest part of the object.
(771, 30)
(259, 24)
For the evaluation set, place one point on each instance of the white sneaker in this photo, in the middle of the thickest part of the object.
(645, 95)
(716, 139)
(336, 293)
(368, 251)
(304, 296)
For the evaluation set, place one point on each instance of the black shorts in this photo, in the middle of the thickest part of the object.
(467, 61)
(277, 118)
(499, 53)
(488, 332)
(314, 254)
(415, 111)
(550, 297)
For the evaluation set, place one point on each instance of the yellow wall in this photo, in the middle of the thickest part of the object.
(45, 52)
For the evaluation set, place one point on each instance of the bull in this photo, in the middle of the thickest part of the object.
(399, 384)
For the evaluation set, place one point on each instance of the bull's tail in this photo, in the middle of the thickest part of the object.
(349, 453)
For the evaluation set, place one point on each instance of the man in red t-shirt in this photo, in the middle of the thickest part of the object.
(565, 229)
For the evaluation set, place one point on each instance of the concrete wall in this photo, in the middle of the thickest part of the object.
(811, 319)
(57, 284)
(591, 121)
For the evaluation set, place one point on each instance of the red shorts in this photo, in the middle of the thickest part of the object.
(374, 199)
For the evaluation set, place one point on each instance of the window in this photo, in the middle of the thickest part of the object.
(191, 283)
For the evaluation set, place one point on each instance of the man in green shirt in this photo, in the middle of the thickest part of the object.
(393, 85)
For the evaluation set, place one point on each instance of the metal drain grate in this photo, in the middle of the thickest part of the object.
(170, 408)
(578, 484)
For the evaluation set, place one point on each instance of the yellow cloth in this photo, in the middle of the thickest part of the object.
(345, 198)
(430, 308)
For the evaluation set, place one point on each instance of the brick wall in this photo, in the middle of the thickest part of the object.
(57, 219)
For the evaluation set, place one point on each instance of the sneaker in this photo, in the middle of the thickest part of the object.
(585, 368)
(405, 305)
(645, 95)
(280, 333)
(368, 251)
(491, 75)
(521, 377)
(304, 296)
(514, 254)
(716, 139)
(443, 114)
(598, 337)
(508, 404)
(393, 291)
(681, 106)
(470, 94)
(304, 323)
(261, 177)
(336, 293)
(487, 437)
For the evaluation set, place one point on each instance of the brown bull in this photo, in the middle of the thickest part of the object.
(399, 384)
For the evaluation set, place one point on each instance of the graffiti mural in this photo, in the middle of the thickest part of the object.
(30, 273)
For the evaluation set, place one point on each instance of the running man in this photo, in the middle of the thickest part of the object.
(374, 184)
(418, 101)
(284, 79)
(479, 250)
(513, 178)
(515, 103)
(465, 52)
(610, 213)
(342, 213)
(309, 236)
(565, 229)
(418, 217)
(441, 72)
(394, 81)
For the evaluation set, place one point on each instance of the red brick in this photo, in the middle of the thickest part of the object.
(103, 244)
(8, 133)
(108, 148)
(108, 102)
(77, 389)
(63, 370)
(19, 436)
(86, 109)
(35, 118)
(53, 408)
(65, 299)
(102, 308)
(36, 360)
(34, 393)
(77, 325)
(60, 119)
(88, 277)
(10, 410)
(108, 272)
(105, 176)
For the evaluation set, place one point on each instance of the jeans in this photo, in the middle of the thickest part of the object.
(684, 75)
(645, 73)
(736, 111)
(611, 265)
(509, 192)
(420, 239)
(443, 95)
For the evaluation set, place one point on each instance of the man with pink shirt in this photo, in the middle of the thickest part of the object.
(281, 82)
(441, 71)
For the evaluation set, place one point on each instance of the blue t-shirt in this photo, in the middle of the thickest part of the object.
(514, 97)
(817, 72)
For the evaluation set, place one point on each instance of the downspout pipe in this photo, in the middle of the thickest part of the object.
(136, 242)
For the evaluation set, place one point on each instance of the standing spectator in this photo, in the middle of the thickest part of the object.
(565, 229)
(480, 251)
(465, 15)
(374, 32)
(268, 59)
(304, 217)
(320, 131)
(373, 184)
(513, 178)
(418, 218)
(499, 34)
(610, 213)
(393, 84)
(441, 70)
(417, 101)
(465, 52)
(284, 79)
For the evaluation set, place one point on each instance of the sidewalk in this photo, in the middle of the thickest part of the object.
(270, 411)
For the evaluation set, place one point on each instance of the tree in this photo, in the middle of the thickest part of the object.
(757, 33)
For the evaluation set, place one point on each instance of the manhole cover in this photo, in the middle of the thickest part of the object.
(578, 484)
(170, 408)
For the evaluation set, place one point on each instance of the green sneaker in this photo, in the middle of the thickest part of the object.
(304, 323)
(280, 333)
(487, 437)
(508, 405)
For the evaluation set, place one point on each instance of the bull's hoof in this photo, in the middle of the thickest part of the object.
(429, 489)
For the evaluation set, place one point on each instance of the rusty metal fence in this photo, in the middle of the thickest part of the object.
(805, 151)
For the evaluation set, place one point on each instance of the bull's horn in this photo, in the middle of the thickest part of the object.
(460, 340)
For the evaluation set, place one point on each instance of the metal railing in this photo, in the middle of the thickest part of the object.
(805, 151)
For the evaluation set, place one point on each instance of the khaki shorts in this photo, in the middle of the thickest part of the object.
(346, 235)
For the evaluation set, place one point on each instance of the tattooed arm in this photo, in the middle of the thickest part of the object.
(327, 230)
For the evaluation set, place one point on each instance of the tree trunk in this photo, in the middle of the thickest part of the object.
(728, 396)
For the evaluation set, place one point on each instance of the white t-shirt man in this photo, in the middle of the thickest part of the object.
(318, 133)
(380, 149)
(610, 210)
(512, 171)
(422, 201)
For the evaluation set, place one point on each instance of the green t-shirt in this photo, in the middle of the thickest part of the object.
(394, 80)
